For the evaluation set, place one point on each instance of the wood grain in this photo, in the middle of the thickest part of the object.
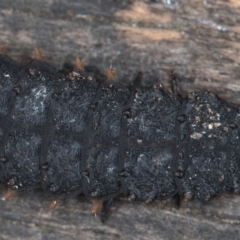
(197, 39)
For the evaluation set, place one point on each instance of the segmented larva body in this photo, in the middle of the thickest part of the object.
(72, 135)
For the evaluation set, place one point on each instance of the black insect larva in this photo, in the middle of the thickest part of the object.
(72, 135)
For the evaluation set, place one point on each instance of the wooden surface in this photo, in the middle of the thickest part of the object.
(199, 39)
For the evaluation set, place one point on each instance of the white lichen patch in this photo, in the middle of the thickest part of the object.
(110, 169)
(197, 119)
(225, 129)
(31, 107)
(37, 103)
(217, 124)
(210, 126)
(196, 135)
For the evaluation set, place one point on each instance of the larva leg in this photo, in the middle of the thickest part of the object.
(106, 209)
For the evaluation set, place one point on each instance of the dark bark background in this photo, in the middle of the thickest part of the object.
(198, 39)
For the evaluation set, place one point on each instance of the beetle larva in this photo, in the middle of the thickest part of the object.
(71, 134)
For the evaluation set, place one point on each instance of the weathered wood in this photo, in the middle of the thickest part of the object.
(197, 39)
